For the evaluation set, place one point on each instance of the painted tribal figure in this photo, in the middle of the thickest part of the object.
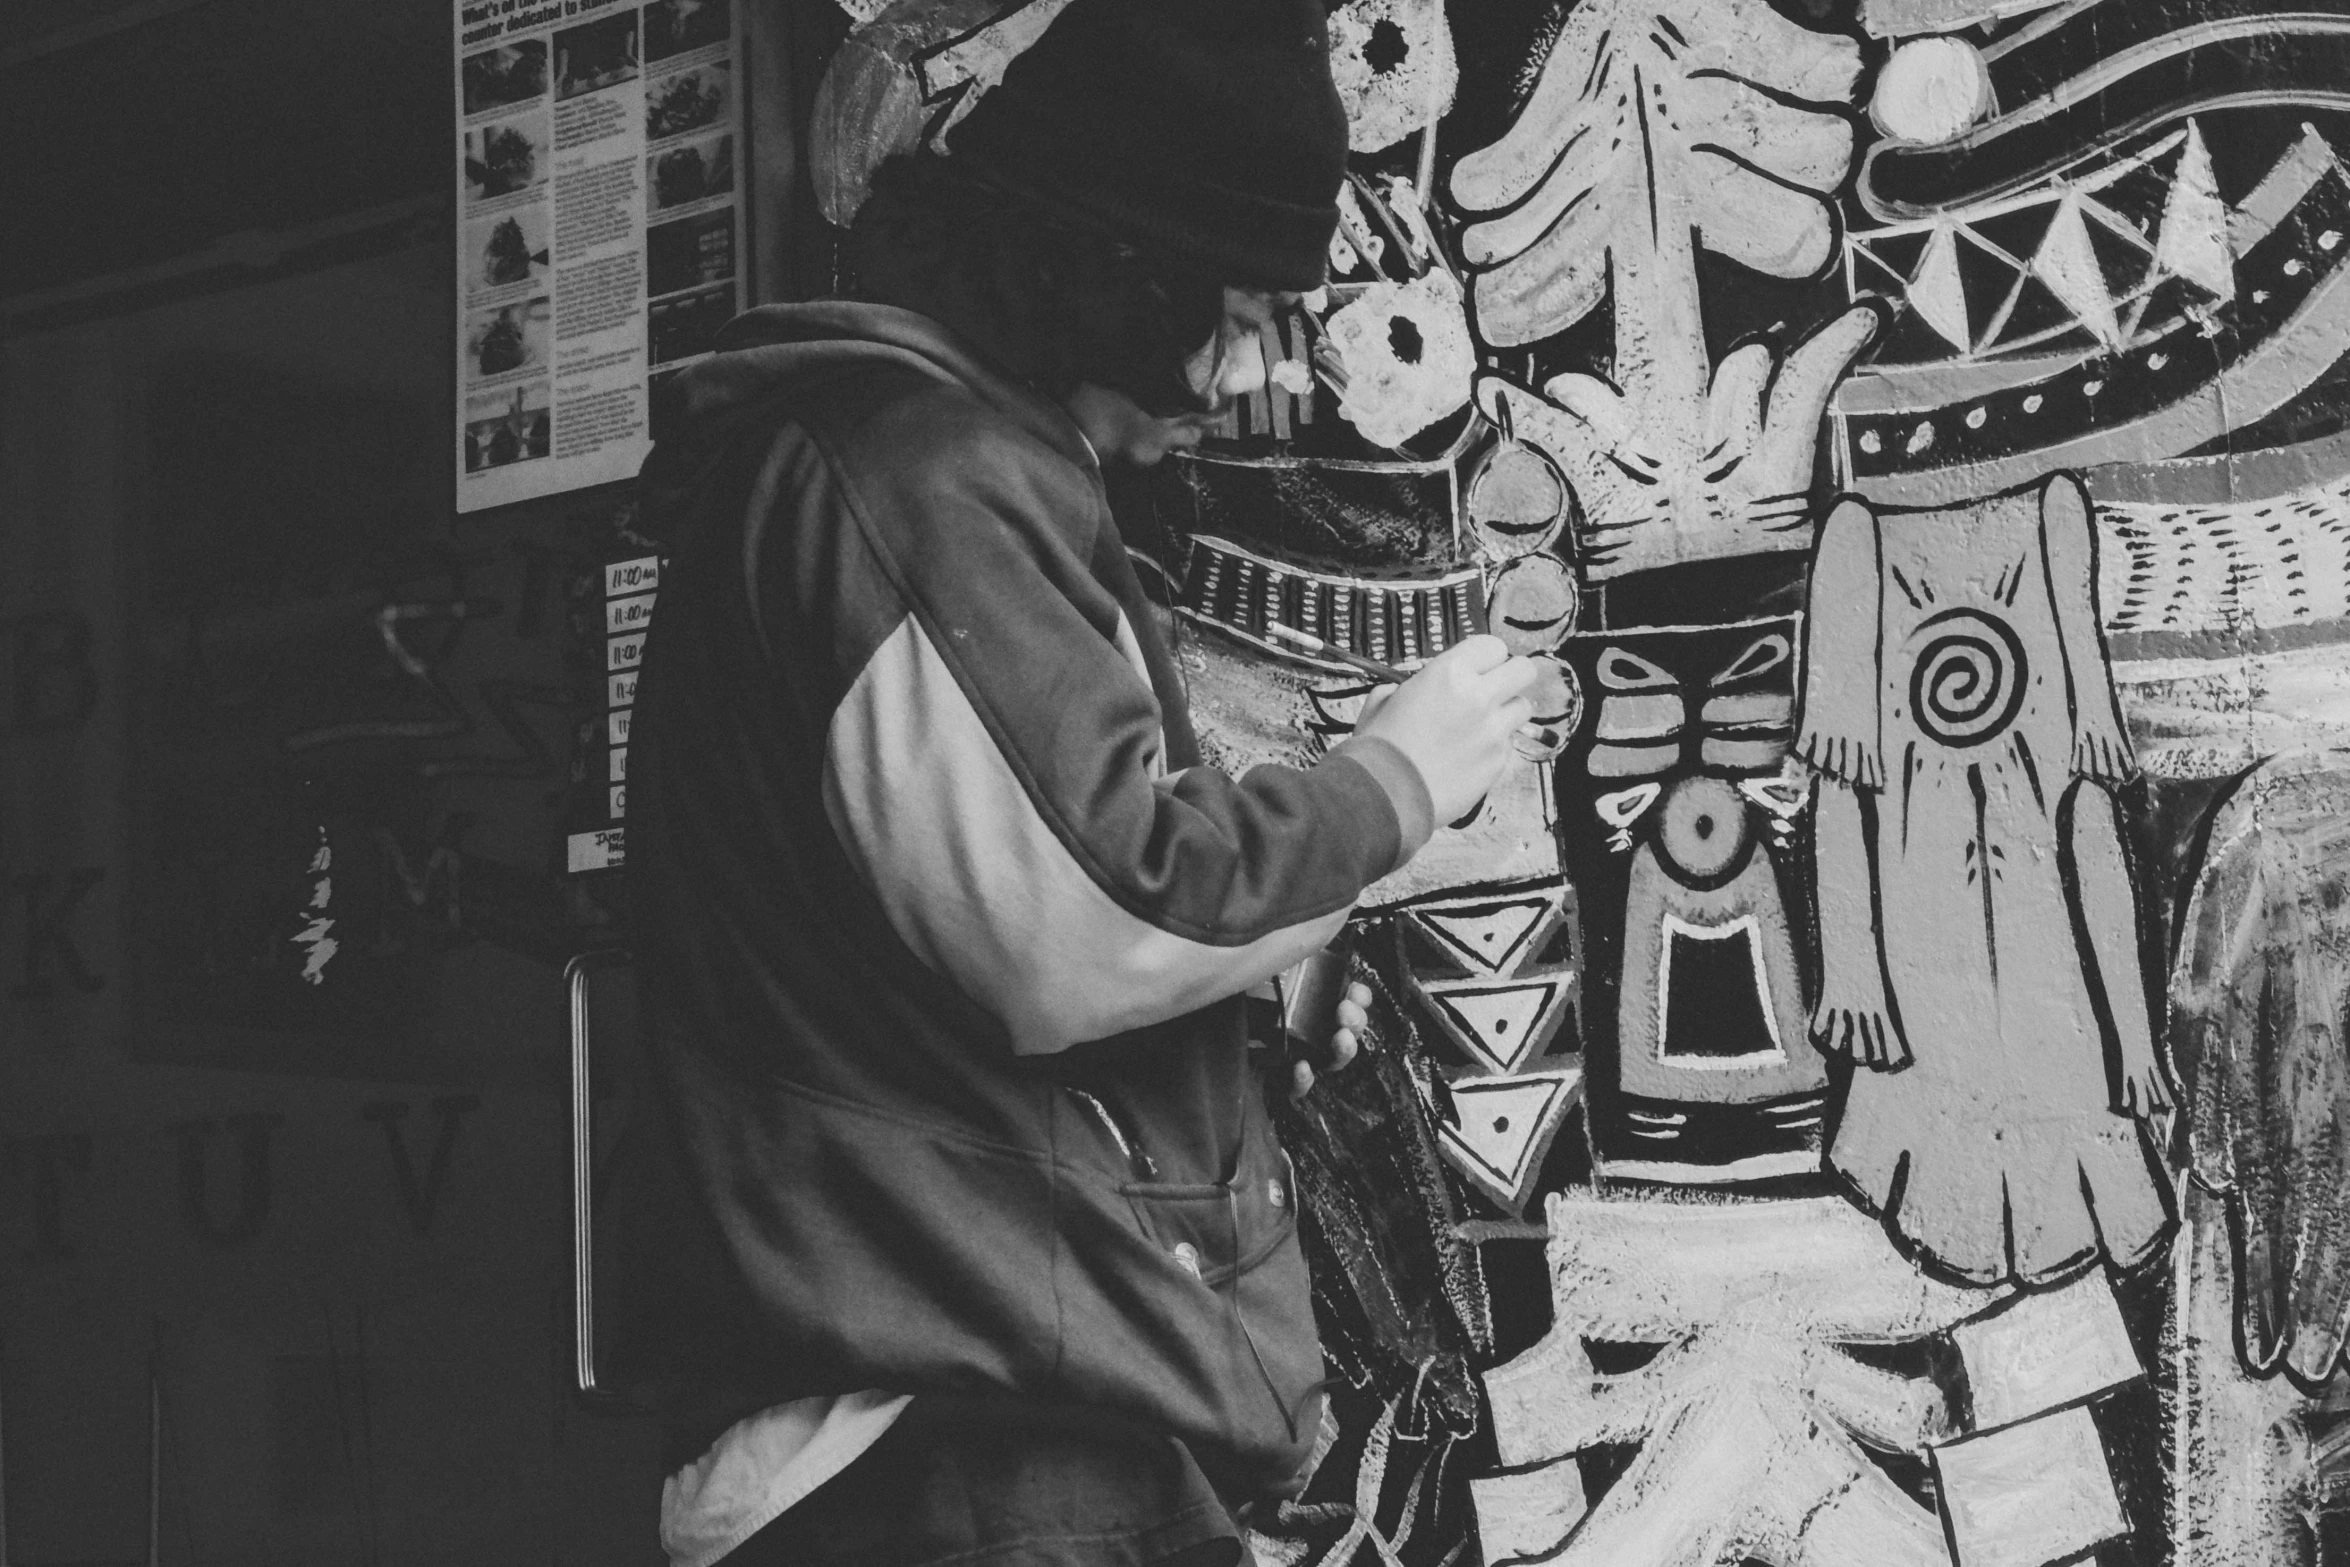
(943, 926)
(1977, 925)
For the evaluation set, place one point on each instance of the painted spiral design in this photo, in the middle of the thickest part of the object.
(1968, 681)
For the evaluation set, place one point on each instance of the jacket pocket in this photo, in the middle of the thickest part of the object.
(1197, 1227)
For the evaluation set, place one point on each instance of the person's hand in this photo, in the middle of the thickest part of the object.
(1455, 720)
(1353, 1016)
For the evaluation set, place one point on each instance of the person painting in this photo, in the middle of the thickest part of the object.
(987, 1251)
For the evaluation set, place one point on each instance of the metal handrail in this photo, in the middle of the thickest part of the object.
(576, 976)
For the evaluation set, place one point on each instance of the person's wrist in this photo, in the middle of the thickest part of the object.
(1406, 788)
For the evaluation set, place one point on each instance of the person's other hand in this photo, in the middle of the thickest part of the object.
(1354, 1015)
(1455, 720)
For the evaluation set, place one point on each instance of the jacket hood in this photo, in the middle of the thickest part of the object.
(765, 353)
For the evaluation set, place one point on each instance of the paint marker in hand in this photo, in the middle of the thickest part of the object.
(1347, 656)
(1369, 666)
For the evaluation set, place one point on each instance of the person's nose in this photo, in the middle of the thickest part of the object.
(1243, 369)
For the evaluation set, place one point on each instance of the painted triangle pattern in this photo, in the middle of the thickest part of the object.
(2067, 263)
(1938, 294)
(1492, 938)
(1506, 1126)
(1503, 1026)
(2051, 238)
(2194, 243)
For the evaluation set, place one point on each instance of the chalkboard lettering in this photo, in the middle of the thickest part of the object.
(52, 683)
(419, 1199)
(252, 1132)
(41, 1164)
(47, 941)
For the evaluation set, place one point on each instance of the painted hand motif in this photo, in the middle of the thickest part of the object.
(2145, 1081)
(1849, 1023)
(1753, 1426)
(1663, 477)
(1654, 129)
(1853, 1016)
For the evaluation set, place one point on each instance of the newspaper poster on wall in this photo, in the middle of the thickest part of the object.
(599, 229)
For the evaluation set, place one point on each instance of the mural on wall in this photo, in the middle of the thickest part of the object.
(1869, 1087)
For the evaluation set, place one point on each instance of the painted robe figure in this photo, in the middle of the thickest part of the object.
(1960, 709)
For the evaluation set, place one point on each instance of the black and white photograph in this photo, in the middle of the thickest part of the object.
(689, 252)
(506, 75)
(689, 100)
(601, 54)
(674, 27)
(686, 324)
(689, 172)
(508, 249)
(501, 339)
(505, 157)
(1175, 783)
(508, 425)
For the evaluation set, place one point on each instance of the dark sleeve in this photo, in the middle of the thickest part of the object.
(996, 767)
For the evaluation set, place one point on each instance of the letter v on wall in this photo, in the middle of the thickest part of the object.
(420, 1199)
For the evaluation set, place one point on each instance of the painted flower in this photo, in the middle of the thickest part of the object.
(1404, 357)
(1394, 65)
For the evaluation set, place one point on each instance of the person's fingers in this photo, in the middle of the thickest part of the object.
(1351, 1015)
(1518, 677)
(1301, 1080)
(1342, 1050)
(1477, 654)
(1358, 996)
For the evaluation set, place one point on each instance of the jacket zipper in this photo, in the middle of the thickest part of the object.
(1138, 1161)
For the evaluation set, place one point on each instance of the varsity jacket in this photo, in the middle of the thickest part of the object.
(941, 927)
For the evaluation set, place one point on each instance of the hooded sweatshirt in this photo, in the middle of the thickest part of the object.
(942, 928)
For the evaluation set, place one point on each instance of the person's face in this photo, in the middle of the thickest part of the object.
(1226, 368)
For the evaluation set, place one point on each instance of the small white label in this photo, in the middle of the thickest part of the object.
(594, 851)
(629, 614)
(620, 690)
(631, 576)
(2029, 1494)
(623, 652)
(619, 773)
(618, 724)
(619, 801)
(2046, 1350)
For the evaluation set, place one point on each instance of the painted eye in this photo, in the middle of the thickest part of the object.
(1764, 654)
(1623, 670)
(1626, 806)
(1534, 604)
(1558, 708)
(1517, 500)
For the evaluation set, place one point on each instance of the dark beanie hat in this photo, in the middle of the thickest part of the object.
(1206, 131)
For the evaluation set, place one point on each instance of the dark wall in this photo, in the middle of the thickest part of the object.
(322, 1228)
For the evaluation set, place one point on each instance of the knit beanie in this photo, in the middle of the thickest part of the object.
(1204, 131)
